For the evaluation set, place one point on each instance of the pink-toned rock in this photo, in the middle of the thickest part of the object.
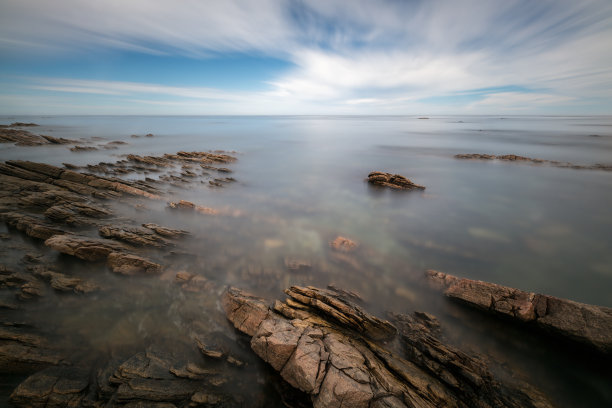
(244, 310)
(320, 352)
(343, 244)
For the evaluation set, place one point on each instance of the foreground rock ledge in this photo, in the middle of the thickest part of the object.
(394, 181)
(587, 324)
(322, 344)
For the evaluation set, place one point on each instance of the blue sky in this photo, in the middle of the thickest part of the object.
(306, 57)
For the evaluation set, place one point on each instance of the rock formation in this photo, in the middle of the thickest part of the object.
(328, 347)
(586, 324)
(394, 181)
(20, 137)
(516, 158)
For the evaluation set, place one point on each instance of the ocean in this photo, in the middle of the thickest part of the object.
(301, 183)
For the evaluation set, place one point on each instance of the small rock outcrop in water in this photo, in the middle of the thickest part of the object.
(394, 181)
(326, 346)
(588, 324)
(516, 158)
(25, 138)
(343, 244)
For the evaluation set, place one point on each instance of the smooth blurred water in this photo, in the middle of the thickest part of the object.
(537, 228)
(301, 184)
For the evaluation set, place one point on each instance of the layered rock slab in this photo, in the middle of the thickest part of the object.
(338, 363)
(393, 181)
(587, 324)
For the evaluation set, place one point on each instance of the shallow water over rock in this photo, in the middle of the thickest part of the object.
(297, 186)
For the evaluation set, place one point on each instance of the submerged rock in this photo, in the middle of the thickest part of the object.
(54, 387)
(128, 264)
(587, 324)
(83, 148)
(516, 158)
(31, 226)
(324, 345)
(88, 249)
(64, 283)
(394, 181)
(139, 236)
(24, 350)
(343, 244)
(189, 206)
(20, 137)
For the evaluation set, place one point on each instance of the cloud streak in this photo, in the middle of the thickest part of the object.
(372, 54)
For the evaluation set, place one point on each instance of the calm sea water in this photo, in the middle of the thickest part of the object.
(301, 184)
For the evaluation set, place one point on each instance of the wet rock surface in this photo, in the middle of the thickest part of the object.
(323, 345)
(523, 159)
(87, 248)
(586, 324)
(20, 137)
(342, 244)
(52, 211)
(393, 181)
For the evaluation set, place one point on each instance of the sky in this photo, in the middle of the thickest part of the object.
(298, 57)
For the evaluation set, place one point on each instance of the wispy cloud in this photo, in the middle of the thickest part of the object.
(387, 54)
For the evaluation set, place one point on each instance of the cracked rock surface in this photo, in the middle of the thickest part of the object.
(586, 324)
(326, 346)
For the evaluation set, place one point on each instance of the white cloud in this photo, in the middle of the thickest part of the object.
(189, 27)
(364, 54)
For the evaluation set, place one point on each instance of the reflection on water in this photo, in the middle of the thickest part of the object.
(301, 184)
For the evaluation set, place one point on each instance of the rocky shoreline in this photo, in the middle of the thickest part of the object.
(321, 347)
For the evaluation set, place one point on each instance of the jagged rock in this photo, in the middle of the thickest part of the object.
(326, 357)
(21, 350)
(83, 148)
(128, 264)
(20, 137)
(295, 264)
(77, 213)
(64, 283)
(88, 249)
(10, 278)
(587, 324)
(343, 244)
(149, 376)
(516, 158)
(23, 124)
(32, 289)
(71, 180)
(477, 156)
(31, 226)
(139, 236)
(394, 181)
(53, 387)
(182, 205)
(333, 305)
(219, 169)
(216, 345)
(189, 206)
(467, 376)
(192, 283)
(165, 231)
(244, 310)
(59, 140)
